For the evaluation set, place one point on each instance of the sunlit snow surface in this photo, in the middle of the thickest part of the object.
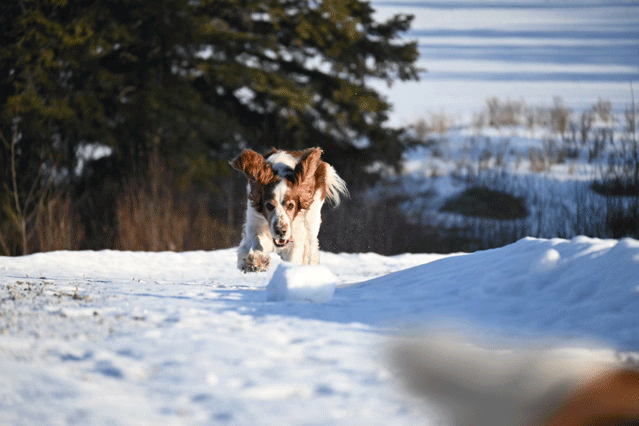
(166, 338)
(110, 338)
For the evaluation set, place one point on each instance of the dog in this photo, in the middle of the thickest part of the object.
(515, 386)
(286, 192)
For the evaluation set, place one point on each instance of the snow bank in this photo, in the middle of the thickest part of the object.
(584, 288)
(309, 283)
(193, 340)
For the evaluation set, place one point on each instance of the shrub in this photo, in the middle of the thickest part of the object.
(616, 187)
(559, 117)
(486, 203)
(58, 226)
(621, 223)
(362, 224)
(505, 113)
(603, 108)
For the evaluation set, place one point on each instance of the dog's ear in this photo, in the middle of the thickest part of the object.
(254, 167)
(305, 169)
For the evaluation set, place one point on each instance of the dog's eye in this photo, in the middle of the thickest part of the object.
(269, 206)
(290, 206)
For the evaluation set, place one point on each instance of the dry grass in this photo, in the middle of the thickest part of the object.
(603, 108)
(148, 215)
(53, 225)
(504, 113)
(208, 233)
(167, 220)
(162, 223)
(149, 222)
(538, 161)
(57, 225)
(559, 117)
(438, 123)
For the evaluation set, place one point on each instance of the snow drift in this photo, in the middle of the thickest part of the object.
(582, 288)
(184, 338)
(312, 283)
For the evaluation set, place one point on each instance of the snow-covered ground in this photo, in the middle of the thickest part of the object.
(118, 338)
(531, 50)
(96, 338)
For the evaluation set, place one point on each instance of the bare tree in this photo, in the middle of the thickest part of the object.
(21, 209)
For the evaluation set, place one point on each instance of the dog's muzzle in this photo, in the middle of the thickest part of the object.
(281, 242)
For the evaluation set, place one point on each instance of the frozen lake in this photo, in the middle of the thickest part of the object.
(578, 50)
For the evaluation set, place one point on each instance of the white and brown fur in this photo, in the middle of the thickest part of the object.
(520, 386)
(286, 192)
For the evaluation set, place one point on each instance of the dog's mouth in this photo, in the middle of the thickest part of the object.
(282, 242)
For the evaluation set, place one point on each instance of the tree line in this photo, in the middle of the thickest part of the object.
(168, 91)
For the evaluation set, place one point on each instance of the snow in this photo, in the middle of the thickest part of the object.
(123, 338)
(306, 283)
(525, 50)
(185, 338)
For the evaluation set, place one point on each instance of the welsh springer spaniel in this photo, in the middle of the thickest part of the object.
(518, 386)
(286, 192)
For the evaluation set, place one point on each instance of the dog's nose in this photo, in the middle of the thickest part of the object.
(280, 229)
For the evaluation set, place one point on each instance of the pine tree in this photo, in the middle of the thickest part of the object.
(207, 75)
(295, 73)
(192, 81)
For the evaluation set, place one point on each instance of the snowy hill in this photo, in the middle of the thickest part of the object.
(163, 338)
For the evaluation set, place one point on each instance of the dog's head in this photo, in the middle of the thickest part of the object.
(281, 184)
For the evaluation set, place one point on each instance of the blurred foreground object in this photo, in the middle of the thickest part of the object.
(525, 386)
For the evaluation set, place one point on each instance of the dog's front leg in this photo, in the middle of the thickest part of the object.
(312, 222)
(253, 252)
(254, 261)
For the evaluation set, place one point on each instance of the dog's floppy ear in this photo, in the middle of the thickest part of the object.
(305, 169)
(254, 167)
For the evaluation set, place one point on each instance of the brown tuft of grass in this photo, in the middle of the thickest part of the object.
(149, 222)
(538, 161)
(57, 225)
(208, 233)
(505, 113)
(603, 108)
(559, 117)
(433, 123)
(159, 217)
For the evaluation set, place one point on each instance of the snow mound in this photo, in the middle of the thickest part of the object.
(546, 262)
(308, 283)
(186, 338)
(584, 288)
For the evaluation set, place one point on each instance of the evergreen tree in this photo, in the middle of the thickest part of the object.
(211, 74)
(192, 81)
(295, 73)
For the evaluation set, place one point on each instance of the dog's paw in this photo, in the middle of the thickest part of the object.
(256, 262)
